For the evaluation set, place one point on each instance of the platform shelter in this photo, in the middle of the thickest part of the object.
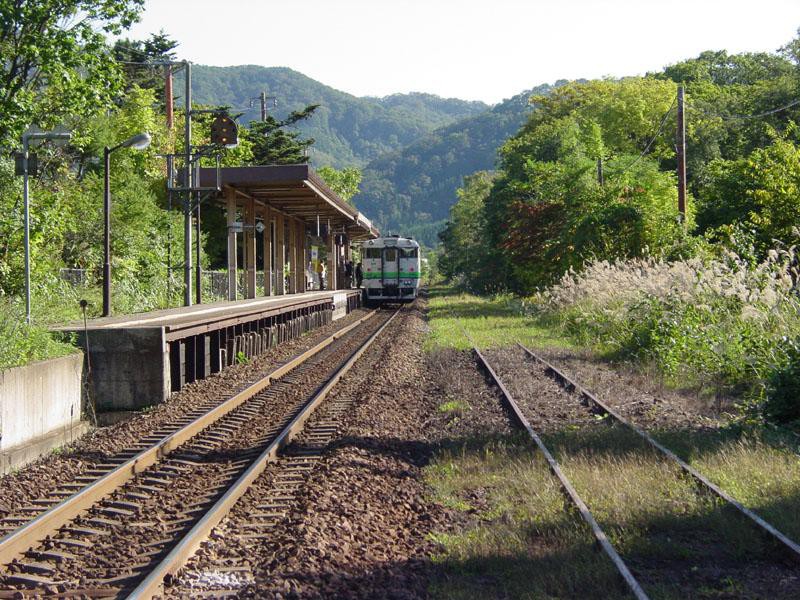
(139, 360)
(291, 209)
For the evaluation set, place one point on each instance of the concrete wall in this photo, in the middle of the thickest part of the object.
(40, 409)
(38, 398)
(130, 367)
(339, 306)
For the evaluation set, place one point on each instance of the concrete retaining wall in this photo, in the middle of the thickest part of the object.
(40, 408)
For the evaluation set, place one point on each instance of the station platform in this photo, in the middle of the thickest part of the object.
(139, 360)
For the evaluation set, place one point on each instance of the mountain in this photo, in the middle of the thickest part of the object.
(410, 191)
(348, 130)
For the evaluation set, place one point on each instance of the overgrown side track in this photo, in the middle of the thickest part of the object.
(104, 547)
(676, 536)
(569, 490)
(791, 548)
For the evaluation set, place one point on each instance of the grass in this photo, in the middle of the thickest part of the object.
(760, 472)
(520, 542)
(22, 343)
(453, 406)
(490, 322)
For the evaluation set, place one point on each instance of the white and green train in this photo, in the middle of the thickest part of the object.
(391, 269)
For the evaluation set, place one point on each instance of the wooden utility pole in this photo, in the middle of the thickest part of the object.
(681, 150)
(168, 95)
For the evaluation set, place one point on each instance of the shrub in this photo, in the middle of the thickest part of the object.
(783, 390)
(715, 322)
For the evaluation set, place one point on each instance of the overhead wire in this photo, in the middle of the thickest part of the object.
(652, 139)
(745, 117)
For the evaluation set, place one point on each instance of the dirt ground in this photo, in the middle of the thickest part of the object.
(639, 396)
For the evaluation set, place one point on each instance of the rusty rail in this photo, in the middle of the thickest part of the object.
(153, 584)
(568, 383)
(569, 490)
(19, 541)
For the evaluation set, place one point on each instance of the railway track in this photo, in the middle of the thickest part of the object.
(126, 532)
(601, 412)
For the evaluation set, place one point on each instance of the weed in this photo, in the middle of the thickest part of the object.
(453, 406)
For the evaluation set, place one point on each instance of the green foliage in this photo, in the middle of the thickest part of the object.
(759, 193)
(783, 388)
(464, 238)
(55, 60)
(67, 217)
(411, 190)
(274, 145)
(21, 343)
(547, 212)
(158, 48)
(716, 324)
(349, 131)
(343, 182)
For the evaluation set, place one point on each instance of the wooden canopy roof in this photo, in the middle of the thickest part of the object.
(295, 190)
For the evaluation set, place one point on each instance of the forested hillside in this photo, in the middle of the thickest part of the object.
(348, 130)
(412, 189)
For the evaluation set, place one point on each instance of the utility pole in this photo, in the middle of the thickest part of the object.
(681, 152)
(263, 97)
(168, 95)
(600, 177)
(26, 168)
(198, 283)
(187, 205)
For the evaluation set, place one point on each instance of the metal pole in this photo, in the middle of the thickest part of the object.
(198, 284)
(27, 219)
(263, 106)
(187, 213)
(681, 146)
(170, 181)
(107, 232)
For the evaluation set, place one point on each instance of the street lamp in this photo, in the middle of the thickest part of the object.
(26, 138)
(137, 142)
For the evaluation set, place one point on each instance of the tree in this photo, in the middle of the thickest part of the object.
(55, 60)
(273, 145)
(760, 193)
(464, 237)
(158, 48)
(343, 182)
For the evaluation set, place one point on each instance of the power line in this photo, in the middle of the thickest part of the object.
(652, 140)
(745, 117)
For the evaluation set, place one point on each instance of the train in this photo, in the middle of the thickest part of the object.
(391, 269)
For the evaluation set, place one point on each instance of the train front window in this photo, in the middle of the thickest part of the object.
(373, 253)
(408, 252)
(390, 255)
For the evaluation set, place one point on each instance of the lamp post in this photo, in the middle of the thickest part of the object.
(26, 138)
(137, 142)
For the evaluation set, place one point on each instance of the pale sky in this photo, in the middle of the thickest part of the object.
(470, 49)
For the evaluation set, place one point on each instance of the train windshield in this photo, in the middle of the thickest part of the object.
(408, 252)
(373, 253)
(390, 255)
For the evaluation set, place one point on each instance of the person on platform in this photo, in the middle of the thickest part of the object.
(359, 275)
(320, 274)
(348, 274)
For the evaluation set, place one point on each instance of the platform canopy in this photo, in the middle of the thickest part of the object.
(295, 190)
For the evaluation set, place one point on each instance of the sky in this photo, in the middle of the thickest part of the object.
(471, 49)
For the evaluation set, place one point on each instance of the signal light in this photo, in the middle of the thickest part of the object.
(224, 131)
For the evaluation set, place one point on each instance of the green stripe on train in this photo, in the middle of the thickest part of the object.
(391, 275)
